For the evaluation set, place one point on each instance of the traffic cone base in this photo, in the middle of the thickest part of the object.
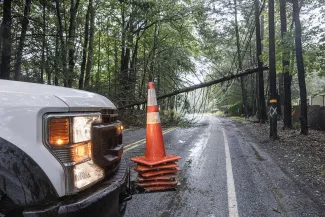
(143, 168)
(145, 161)
(148, 184)
(159, 188)
(157, 178)
(159, 172)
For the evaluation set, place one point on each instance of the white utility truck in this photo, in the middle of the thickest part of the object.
(60, 153)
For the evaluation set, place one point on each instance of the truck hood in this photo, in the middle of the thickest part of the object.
(77, 100)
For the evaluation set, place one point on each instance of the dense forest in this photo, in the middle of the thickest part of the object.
(115, 47)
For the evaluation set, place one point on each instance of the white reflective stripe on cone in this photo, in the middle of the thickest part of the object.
(152, 100)
(153, 118)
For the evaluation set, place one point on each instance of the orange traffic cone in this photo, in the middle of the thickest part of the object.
(156, 170)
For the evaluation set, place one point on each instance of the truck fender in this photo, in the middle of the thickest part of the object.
(21, 179)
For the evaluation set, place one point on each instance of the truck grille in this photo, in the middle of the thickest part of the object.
(106, 145)
(109, 116)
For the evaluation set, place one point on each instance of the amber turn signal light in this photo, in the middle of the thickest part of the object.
(59, 131)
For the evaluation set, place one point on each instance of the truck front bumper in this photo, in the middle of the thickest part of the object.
(107, 198)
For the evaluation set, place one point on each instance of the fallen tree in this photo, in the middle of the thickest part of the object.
(198, 86)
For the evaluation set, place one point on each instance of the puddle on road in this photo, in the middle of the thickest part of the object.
(196, 152)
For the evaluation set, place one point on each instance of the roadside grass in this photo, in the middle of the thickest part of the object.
(218, 113)
(322, 172)
(240, 119)
(295, 125)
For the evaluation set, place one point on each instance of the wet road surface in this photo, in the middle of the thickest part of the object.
(224, 173)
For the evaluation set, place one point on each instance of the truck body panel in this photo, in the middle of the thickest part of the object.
(29, 102)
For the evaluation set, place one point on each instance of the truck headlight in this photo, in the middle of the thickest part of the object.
(82, 127)
(69, 137)
(87, 173)
(59, 128)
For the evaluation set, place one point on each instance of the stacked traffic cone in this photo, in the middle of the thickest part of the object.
(156, 170)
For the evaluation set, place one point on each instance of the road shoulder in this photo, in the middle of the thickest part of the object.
(301, 158)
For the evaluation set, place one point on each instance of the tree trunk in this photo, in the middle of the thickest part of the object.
(1, 32)
(56, 68)
(240, 67)
(62, 41)
(47, 68)
(285, 67)
(91, 44)
(115, 65)
(22, 40)
(281, 93)
(272, 73)
(281, 75)
(301, 69)
(124, 63)
(43, 44)
(133, 71)
(108, 51)
(6, 40)
(198, 86)
(261, 97)
(142, 86)
(152, 64)
(71, 40)
(84, 51)
(98, 57)
(257, 93)
(253, 94)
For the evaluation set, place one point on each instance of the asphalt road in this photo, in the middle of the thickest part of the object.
(224, 173)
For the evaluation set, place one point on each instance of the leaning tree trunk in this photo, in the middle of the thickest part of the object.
(22, 40)
(242, 81)
(6, 40)
(301, 69)
(285, 67)
(91, 44)
(272, 73)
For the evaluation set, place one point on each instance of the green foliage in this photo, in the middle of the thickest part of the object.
(175, 43)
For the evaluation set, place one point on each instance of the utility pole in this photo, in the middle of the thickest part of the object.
(272, 74)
